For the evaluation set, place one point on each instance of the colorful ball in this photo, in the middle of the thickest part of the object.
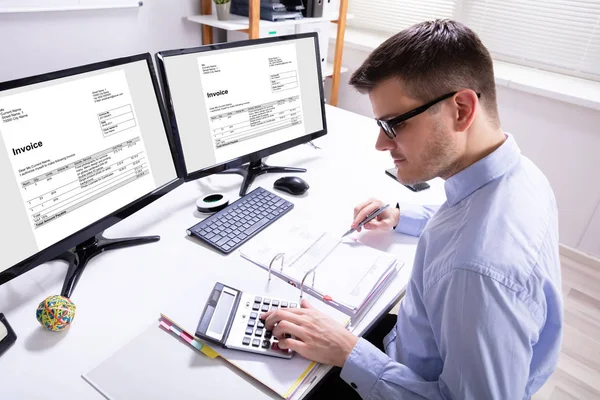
(55, 313)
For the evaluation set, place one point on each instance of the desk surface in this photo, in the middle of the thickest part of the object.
(123, 291)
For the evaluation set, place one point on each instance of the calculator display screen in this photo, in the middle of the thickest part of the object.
(217, 325)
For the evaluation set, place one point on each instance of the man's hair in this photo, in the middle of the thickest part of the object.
(431, 59)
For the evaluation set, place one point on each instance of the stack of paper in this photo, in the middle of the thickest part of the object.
(346, 274)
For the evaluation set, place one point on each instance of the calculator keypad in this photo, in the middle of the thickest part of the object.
(254, 336)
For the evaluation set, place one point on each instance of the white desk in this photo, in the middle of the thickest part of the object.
(123, 291)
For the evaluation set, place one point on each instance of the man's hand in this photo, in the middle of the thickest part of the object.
(316, 336)
(385, 221)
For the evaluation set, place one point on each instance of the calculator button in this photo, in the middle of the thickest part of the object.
(267, 301)
(257, 299)
(268, 334)
(265, 307)
(251, 322)
(260, 324)
(256, 306)
(249, 331)
(273, 308)
(254, 315)
(256, 343)
(246, 341)
(275, 346)
(284, 304)
(258, 332)
(292, 305)
(275, 303)
(266, 344)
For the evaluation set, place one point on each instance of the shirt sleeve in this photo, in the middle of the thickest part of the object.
(413, 218)
(486, 337)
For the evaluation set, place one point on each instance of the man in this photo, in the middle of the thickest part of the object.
(482, 315)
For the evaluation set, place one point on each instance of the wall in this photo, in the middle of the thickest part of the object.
(561, 138)
(35, 43)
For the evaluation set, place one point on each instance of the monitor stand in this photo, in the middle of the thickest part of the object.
(84, 252)
(255, 168)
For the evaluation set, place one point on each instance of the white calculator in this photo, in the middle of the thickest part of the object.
(231, 318)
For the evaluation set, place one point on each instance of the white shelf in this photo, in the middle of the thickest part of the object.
(238, 22)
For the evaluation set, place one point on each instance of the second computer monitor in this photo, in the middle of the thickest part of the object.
(234, 103)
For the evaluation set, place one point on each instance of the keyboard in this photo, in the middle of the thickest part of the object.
(234, 225)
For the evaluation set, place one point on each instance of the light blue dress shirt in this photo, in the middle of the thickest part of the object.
(482, 316)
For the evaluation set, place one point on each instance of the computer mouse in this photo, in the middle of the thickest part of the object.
(291, 184)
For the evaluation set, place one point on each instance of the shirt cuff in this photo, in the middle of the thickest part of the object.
(412, 219)
(363, 367)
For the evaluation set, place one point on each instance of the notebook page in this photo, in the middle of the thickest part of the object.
(347, 271)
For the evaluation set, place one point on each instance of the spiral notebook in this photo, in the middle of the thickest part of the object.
(347, 274)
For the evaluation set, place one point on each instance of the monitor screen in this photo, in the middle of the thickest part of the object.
(75, 147)
(237, 99)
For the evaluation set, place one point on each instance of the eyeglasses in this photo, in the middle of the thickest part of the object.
(388, 125)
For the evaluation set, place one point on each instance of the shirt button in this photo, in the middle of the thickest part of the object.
(353, 385)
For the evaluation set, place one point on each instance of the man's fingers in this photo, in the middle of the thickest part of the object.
(374, 225)
(292, 315)
(295, 345)
(363, 213)
(361, 206)
(290, 328)
(305, 304)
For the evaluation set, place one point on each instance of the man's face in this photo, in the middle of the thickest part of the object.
(425, 146)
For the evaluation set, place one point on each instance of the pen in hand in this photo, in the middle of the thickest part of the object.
(368, 218)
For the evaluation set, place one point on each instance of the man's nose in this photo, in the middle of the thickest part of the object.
(384, 143)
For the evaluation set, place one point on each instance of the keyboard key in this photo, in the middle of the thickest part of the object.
(256, 343)
(254, 315)
(268, 334)
(275, 302)
(267, 301)
(260, 324)
(293, 305)
(226, 247)
(274, 346)
(265, 308)
(246, 341)
(256, 307)
(251, 322)
(257, 299)
(284, 304)
(210, 235)
(216, 239)
(258, 332)
(265, 344)
(249, 331)
(256, 226)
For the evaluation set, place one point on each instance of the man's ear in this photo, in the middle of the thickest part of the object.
(466, 103)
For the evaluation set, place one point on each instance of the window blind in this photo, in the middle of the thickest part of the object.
(556, 35)
(391, 16)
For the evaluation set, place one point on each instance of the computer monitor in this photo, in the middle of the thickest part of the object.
(80, 150)
(235, 103)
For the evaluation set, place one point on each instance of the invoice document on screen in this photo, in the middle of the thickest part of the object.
(252, 98)
(76, 152)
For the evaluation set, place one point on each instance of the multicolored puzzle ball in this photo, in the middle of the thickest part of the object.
(56, 313)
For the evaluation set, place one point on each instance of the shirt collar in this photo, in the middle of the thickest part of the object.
(475, 176)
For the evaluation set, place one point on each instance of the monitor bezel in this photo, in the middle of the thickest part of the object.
(250, 157)
(99, 226)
